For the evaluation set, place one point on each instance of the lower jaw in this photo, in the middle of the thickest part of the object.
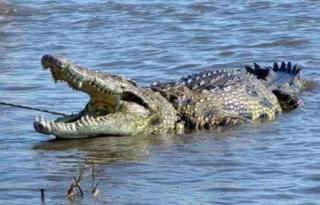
(69, 127)
(72, 135)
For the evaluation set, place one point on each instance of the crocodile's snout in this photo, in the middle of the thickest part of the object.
(49, 61)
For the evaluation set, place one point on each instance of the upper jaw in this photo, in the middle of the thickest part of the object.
(92, 82)
(81, 78)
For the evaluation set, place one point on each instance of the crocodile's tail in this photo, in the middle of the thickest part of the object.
(282, 74)
(277, 75)
(284, 81)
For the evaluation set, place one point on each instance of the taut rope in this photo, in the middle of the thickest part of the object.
(32, 108)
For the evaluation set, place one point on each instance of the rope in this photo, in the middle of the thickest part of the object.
(31, 108)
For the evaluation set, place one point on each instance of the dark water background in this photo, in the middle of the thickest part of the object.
(274, 163)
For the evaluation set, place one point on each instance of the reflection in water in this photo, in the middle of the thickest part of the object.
(104, 150)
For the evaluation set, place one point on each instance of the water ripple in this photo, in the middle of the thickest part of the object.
(281, 42)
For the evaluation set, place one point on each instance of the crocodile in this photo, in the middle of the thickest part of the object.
(119, 107)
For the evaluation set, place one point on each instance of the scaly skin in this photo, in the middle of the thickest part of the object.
(241, 97)
(117, 106)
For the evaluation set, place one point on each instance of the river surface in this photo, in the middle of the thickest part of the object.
(277, 162)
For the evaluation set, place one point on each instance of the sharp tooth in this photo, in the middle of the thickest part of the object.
(62, 126)
(58, 126)
(41, 119)
(68, 126)
(73, 126)
(87, 118)
(93, 119)
(49, 127)
(82, 120)
(80, 84)
(51, 124)
(37, 118)
(78, 124)
(65, 126)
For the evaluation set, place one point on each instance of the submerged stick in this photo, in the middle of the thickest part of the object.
(42, 195)
(93, 173)
(95, 191)
(75, 188)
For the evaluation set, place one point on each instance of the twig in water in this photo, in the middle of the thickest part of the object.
(79, 176)
(95, 192)
(42, 195)
(93, 173)
(75, 188)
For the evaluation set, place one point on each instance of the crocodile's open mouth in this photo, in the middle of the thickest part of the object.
(109, 96)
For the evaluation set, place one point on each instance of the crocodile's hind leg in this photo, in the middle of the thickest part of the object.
(287, 100)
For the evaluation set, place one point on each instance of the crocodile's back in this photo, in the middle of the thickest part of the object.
(248, 98)
(222, 97)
